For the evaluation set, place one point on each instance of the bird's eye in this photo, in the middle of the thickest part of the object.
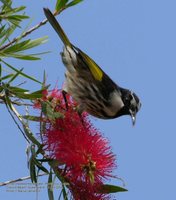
(128, 98)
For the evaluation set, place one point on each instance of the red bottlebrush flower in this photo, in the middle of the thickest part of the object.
(85, 191)
(87, 156)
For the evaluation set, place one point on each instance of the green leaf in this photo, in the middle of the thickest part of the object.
(7, 34)
(50, 186)
(73, 3)
(47, 109)
(27, 96)
(6, 77)
(32, 171)
(24, 45)
(15, 76)
(17, 89)
(18, 9)
(18, 17)
(40, 150)
(40, 166)
(106, 189)
(30, 136)
(16, 47)
(13, 21)
(2, 31)
(60, 4)
(64, 192)
(36, 42)
(10, 11)
(8, 101)
(21, 73)
(0, 70)
(22, 57)
(38, 93)
(7, 3)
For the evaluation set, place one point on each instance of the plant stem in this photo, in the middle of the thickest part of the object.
(19, 179)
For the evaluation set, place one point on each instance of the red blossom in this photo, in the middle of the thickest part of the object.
(85, 191)
(86, 154)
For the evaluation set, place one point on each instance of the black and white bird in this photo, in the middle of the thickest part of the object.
(90, 86)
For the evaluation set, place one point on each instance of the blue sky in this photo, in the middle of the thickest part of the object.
(134, 41)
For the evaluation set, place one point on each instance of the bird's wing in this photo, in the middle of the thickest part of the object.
(95, 70)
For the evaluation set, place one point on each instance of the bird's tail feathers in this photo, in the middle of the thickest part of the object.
(52, 20)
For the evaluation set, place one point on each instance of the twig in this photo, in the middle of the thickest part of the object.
(18, 103)
(16, 123)
(29, 31)
(19, 179)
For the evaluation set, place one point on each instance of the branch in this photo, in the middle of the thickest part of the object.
(16, 122)
(19, 179)
(17, 103)
(30, 30)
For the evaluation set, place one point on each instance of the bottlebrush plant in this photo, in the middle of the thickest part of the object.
(67, 146)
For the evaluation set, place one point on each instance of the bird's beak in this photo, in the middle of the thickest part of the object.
(133, 117)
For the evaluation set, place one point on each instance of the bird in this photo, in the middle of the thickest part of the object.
(93, 90)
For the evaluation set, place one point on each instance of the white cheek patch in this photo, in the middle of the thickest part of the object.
(116, 100)
(116, 103)
(133, 101)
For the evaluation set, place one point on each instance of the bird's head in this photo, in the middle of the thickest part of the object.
(131, 103)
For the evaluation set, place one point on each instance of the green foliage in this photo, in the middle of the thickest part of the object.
(19, 73)
(49, 111)
(16, 50)
(12, 95)
(10, 14)
(10, 20)
(63, 4)
(111, 189)
(50, 185)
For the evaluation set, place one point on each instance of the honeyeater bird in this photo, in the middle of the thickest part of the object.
(89, 85)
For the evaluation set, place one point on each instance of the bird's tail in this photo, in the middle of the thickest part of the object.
(52, 20)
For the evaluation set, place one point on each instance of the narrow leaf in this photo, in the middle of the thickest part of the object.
(60, 4)
(40, 150)
(21, 73)
(73, 3)
(15, 76)
(2, 31)
(0, 70)
(8, 32)
(50, 186)
(6, 77)
(23, 57)
(111, 189)
(64, 192)
(33, 171)
(40, 166)
(8, 102)
(30, 136)
(17, 89)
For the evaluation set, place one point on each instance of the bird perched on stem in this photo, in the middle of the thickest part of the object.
(90, 86)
